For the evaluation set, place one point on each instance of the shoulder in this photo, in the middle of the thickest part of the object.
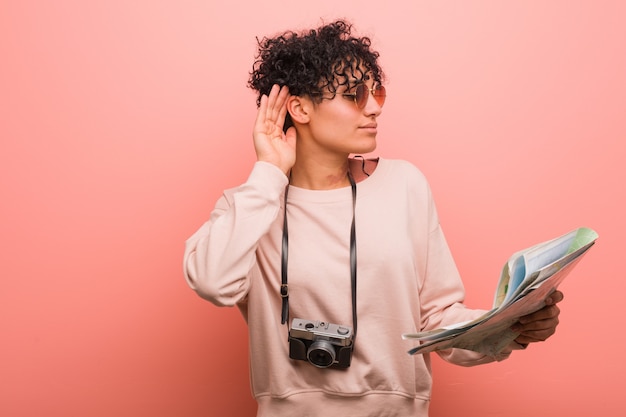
(396, 178)
(400, 169)
(364, 167)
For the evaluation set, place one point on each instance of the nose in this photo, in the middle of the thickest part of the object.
(372, 108)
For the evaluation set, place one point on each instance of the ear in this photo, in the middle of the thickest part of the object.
(298, 108)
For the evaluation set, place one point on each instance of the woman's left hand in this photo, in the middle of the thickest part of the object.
(540, 325)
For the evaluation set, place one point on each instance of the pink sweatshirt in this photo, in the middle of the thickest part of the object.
(407, 282)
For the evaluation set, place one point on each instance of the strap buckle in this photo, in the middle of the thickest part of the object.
(284, 290)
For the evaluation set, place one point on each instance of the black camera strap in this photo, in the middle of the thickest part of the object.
(284, 287)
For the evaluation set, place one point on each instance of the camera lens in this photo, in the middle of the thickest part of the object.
(321, 353)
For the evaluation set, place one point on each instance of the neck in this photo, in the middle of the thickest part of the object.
(315, 175)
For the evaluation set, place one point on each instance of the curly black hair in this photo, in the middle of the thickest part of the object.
(315, 61)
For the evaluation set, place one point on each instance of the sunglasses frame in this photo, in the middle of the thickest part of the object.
(380, 98)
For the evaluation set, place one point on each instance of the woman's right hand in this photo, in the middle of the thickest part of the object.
(270, 142)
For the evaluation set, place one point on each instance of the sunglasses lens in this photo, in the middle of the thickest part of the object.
(361, 95)
(380, 94)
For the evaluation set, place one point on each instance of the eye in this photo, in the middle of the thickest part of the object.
(350, 93)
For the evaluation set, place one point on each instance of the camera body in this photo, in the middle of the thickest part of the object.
(321, 343)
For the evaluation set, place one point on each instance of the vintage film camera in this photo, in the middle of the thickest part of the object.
(321, 343)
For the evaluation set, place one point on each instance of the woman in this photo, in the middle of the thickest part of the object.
(329, 257)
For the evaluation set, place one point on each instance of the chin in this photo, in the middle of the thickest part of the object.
(366, 147)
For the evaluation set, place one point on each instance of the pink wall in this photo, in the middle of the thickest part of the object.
(121, 122)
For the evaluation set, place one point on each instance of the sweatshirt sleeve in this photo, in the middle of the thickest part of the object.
(219, 256)
(442, 295)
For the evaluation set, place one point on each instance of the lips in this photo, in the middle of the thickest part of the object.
(370, 128)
